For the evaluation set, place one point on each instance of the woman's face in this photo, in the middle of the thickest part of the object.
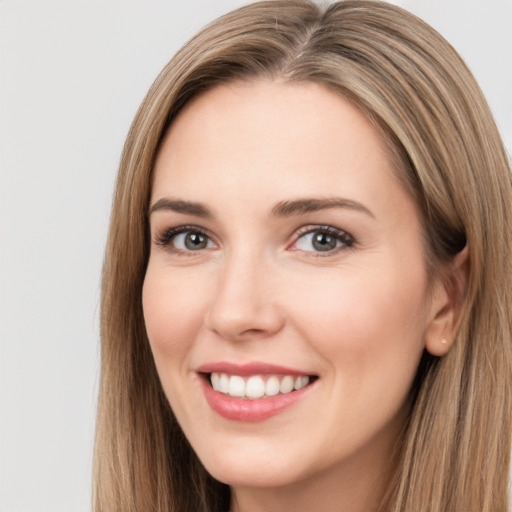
(287, 268)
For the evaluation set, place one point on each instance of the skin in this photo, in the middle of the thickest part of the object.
(358, 316)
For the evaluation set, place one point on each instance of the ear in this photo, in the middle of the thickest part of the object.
(446, 307)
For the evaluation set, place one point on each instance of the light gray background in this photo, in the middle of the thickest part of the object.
(72, 76)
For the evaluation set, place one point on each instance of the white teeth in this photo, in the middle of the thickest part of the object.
(215, 380)
(256, 386)
(286, 384)
(236, 386)
(223, 383)
(272, 386)
(301, 382)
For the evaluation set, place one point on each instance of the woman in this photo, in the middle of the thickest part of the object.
(306, 293)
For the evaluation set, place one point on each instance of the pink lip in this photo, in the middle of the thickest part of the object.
(245, 410)
(255, 368)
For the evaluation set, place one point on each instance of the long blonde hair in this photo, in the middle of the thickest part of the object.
(454, 453)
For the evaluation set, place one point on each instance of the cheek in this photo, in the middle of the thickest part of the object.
(366, 323)
(172, 313)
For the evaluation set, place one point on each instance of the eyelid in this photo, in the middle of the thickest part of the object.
(338, 233)
(164, 237)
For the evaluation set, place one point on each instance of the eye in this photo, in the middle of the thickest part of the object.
(191, 241)
(323, 239)
(185, 239)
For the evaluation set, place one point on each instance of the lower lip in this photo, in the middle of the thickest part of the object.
(246, 410)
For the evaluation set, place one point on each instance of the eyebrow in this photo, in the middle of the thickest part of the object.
(282, 209)
(180, 206)
(308, 205)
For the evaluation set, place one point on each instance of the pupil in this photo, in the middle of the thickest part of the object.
(324, 242)
(195, 241)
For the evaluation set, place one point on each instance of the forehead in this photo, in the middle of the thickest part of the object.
(272, 139)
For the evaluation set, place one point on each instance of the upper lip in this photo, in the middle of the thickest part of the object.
(253, 368)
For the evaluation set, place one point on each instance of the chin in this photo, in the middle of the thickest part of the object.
(250, 471)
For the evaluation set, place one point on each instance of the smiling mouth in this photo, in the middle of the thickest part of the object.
(257, 386)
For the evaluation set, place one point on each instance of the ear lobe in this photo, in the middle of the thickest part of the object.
(447, 302)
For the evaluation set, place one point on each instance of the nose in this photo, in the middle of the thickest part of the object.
(244, 304)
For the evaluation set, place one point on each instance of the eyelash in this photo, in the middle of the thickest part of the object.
(165, 238)
(343, 238)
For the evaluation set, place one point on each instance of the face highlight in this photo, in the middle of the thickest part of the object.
(286, 294)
